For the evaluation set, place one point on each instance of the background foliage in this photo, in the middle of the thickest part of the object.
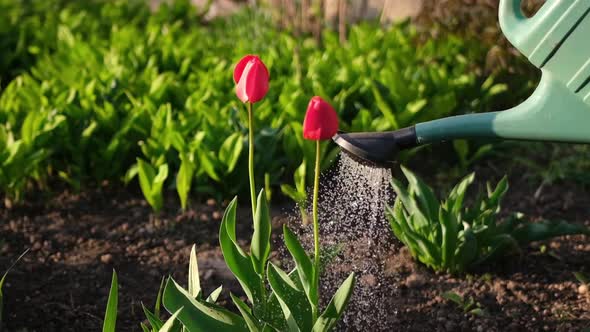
(104, 90)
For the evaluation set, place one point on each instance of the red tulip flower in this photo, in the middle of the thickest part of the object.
(251, 77)
(321, 121)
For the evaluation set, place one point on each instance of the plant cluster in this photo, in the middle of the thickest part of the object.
(278, 300)
(453, 236)
(109, 90)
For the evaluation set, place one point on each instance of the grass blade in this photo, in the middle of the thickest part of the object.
(110, 317)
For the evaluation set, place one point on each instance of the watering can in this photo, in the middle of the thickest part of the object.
(556, 40)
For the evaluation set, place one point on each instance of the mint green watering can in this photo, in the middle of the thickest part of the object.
(556, 40)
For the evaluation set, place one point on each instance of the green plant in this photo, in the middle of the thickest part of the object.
(451, 236)
(98, 84)
(469, 306)
(151, 183)
(290, 302)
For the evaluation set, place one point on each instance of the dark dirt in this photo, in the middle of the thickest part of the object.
(76, 241)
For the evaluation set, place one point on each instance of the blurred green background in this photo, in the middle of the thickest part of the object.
(94, 91)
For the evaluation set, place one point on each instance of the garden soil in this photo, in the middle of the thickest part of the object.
(76, 240)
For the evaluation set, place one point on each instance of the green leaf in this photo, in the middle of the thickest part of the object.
(230, 151)
(212, 298)
(151, 183)
(199, 316)
(250, 320)
(292, 193)
(293, 301)
(237, 261)
(328, 319)
(454, 297)
(208, 165)
(168, 326)
(146, 176)
(467, 249)
(424, 194)
(154, 320)
(457, 195)
(462, 149)
(159, 298)
(303, 264)
(299, 177)
(547, 229)
(450, 230)
(194, 284)
(260, 247)
(110, 317)
(184, 179)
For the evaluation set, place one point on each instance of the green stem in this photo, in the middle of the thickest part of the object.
(253, 184)
(251, 158)
(316, 225)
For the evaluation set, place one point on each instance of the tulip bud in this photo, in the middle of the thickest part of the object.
(321, 121)
(251, 77)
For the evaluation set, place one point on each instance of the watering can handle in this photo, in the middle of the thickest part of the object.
(517, 28)
(511, 17)
(537, 36)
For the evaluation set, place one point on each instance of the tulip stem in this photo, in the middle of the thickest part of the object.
(316, 225)
(251, 158)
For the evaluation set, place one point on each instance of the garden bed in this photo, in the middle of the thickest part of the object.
(77, 239)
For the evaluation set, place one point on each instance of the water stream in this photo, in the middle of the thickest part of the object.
(356, 234)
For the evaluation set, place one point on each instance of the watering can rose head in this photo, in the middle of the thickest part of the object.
(251, 77)
(321, 121)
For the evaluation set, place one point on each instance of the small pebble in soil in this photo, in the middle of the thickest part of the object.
(583, 289)
(369, 280)
(216, 215)
(106, 258)
(211, 202)
(415, 281)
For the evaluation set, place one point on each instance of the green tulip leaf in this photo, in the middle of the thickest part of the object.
(199, 316)
(260, 247)
(328, 319)
(110, 317)
(238, 262)
(303, 263)
(250, 320)
(293, 301)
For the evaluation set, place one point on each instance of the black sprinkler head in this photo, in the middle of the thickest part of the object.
(377, 149)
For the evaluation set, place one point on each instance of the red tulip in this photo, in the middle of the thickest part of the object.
(321, 121)
(251, 77)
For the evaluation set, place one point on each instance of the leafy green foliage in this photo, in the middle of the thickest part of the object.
(451, 236)
(98, 85)
(292, 303)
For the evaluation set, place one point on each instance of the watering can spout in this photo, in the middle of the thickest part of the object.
(377, 148)
(552, 113)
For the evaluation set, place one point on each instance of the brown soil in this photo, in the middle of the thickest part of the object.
(77, 239)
